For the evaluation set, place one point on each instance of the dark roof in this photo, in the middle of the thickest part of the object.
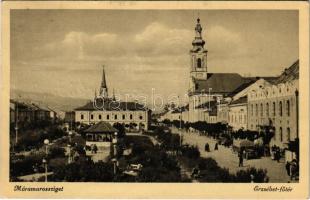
(111, 105)
(241, 100)
(289, 74)
(241, 87)
(101, 127)
(24, 106)
(221, 83)
(270, 79)
(211, 106)
(181, 109)
(207, 104)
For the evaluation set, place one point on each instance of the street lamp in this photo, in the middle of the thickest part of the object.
(69, 156)
(180, 122)
(114, 160)
(46, 142)
(209, 96)
(44, 161)
(114, 143)
(70, 135)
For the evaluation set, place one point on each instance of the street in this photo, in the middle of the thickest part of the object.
(227, 159)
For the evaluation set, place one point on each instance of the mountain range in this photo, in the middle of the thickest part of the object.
(58, 103)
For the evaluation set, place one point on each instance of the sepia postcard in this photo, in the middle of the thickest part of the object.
(165, 99)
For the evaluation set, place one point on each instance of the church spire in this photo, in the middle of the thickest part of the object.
(103, 87)
(198, 29)
(198, 41)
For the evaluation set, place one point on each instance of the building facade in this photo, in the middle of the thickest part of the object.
(106, 109)
(276, 106)
(237, 115)
(30, 112)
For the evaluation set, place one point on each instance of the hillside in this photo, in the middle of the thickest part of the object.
(55, 102)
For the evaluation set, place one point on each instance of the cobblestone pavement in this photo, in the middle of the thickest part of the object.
(226, 158)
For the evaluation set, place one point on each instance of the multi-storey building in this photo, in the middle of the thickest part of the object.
(105, 108)
(29, 112)
(237, 106)
(276, 106)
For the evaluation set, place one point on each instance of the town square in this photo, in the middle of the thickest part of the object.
(178, 96)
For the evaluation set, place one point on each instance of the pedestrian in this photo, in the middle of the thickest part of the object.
(216, 147)
(294, 169)
(241, 158)
(277, 155)
(288, 168)
(95, 148)
(207, 147)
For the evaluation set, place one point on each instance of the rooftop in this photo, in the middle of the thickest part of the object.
(111, 105)
(289, 74)
(101, 127)
(221, 83)
(241, 100)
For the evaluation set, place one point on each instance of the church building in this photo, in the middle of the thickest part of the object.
(132, 115)
(206, 89)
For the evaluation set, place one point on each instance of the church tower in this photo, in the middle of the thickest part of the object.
(198, 54)
(103, 87)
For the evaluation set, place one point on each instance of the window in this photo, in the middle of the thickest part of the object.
(275, 136)
(288, 107)
(280, 108)
(123, 116)
(267, 109)
(281, 134)
(91, 116)
(196, 86)
(274, 109)
(261, 110)
(115, 116)
(288, 134)
(130, 116)
(199, 63)
(82, 116)
(256, 110)
(99, 116)
(89, 137)
(108, 117)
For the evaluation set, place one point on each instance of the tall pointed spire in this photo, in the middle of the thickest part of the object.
(103, 82)
(114, 99)
(103, 87)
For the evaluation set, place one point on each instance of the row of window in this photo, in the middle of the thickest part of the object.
(108, 117)
(288, 134)
(237, 119)
(273, 91)
(260, 109)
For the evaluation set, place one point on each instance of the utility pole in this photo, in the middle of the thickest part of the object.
(16, 124)
(180, 122)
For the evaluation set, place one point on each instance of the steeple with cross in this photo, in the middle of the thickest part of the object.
(198, 53)
(103, 87)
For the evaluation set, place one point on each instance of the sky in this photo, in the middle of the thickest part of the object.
(61, 51)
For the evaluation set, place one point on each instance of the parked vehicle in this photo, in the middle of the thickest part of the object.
(250, 153)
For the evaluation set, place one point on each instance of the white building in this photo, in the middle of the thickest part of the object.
(132, 114)
(276, 106)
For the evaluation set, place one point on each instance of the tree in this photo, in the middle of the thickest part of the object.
(121, 129)
(85, 171)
